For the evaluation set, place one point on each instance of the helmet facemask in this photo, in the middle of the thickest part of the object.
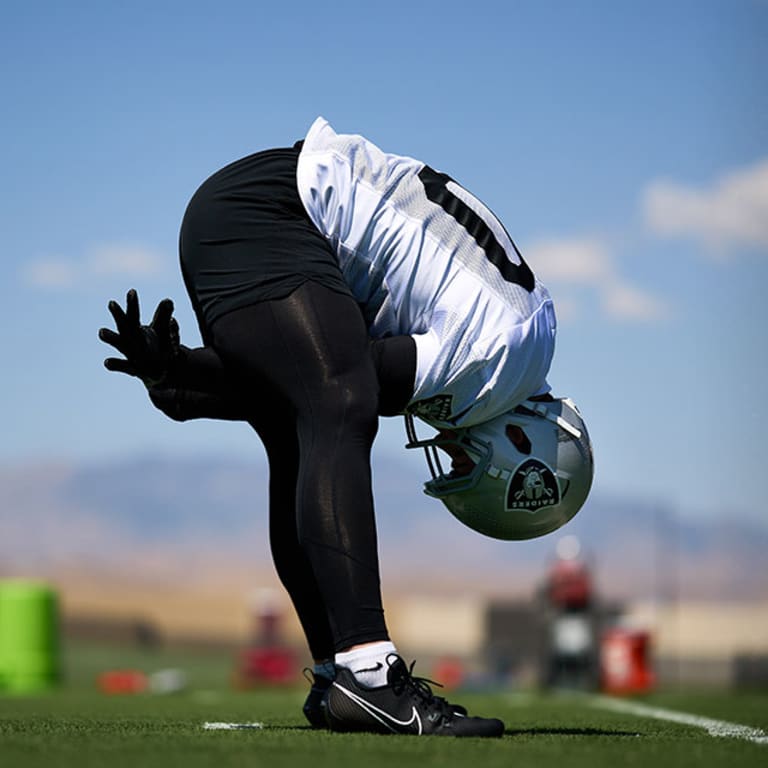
(442, 482)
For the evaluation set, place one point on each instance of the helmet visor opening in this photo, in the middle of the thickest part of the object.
(449, 442)
(516, 435)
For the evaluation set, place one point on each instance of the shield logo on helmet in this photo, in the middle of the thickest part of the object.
(532, 486)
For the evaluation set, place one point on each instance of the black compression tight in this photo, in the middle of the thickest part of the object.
(307, 368)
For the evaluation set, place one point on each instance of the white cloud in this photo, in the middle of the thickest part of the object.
(582, 261)
(730, 213)
(50, 273)
(622, 300)
(129, 261)
(566, 264)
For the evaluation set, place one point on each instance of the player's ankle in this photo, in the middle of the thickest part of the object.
(368, 662)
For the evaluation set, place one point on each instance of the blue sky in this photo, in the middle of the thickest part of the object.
(624, 145)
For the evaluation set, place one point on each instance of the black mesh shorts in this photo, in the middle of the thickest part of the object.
(246, 238)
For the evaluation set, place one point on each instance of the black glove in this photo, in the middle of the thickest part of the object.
(151, 351)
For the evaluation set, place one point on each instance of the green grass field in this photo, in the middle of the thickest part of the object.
(78, 726)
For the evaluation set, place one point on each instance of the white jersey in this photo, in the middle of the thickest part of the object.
(424, 257)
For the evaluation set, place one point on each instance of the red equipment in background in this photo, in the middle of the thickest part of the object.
(569, 585)
(568, 600)
(267, 660)
(625, 665)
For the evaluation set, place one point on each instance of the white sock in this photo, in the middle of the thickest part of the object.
(368, 664)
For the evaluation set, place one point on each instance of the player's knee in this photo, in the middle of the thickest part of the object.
(352, 402)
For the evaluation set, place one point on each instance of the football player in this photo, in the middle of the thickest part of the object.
(335, 283)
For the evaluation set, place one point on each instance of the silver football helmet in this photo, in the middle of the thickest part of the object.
(532, 472)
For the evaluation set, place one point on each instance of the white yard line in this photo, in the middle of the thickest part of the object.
(720, 728)
(231, 726)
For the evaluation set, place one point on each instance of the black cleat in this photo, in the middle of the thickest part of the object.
(405, 705)
(312, 708)
(315, 713)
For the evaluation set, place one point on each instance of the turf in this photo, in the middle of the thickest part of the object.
(78, 726)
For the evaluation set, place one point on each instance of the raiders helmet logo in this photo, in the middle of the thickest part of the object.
(532, 486)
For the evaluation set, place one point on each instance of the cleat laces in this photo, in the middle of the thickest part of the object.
(421, 687)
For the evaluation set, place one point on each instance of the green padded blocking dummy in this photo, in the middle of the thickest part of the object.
(29, 636)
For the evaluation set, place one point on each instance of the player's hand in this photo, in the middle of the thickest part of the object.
(150, 350)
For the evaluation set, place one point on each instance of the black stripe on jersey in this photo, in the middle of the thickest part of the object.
(436, 187)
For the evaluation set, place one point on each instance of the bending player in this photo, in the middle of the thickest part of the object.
(334, 283)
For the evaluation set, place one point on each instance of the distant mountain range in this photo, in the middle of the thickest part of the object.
(151, 514)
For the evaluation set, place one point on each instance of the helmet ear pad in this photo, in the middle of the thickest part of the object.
(533, 472)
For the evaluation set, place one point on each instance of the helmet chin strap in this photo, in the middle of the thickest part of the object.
(540, 409)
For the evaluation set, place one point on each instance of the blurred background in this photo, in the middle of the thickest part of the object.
(624, 146)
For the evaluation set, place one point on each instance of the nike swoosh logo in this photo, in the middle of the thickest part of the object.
(394, 725)
(378, 666)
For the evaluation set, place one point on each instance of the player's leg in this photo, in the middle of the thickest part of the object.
(277, 431)
(276, 428)
(313, 348)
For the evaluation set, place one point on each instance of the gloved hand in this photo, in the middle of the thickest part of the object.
(150, 350)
